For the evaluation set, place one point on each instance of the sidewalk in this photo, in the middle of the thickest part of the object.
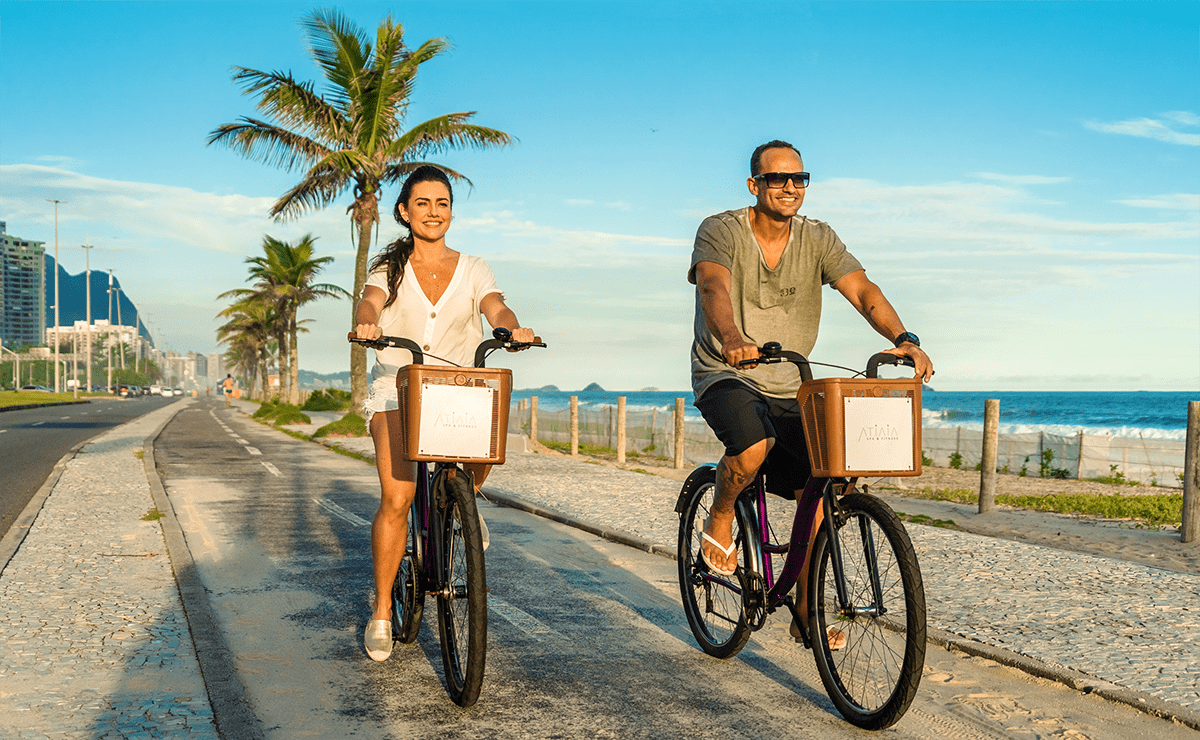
(95, 643)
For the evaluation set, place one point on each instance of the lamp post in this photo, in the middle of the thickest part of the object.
(55, 202)
(108, 344)
(16, 365)
(87, 247)
(120, 328)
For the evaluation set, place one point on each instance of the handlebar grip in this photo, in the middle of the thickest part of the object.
(885, 358)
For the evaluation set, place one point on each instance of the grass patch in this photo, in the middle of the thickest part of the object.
(152, 516)
(1155, 510)
(350, 425)
(927, 520)
(330, 399)
(602, 451)
(139, 454)
(281, 413)
(27, 398)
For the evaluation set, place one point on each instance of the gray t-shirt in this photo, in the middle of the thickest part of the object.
(769, 305)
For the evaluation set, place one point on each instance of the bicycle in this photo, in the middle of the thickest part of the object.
(444, 552)
(864, 584)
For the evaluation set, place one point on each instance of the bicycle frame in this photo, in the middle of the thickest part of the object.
(428, 537)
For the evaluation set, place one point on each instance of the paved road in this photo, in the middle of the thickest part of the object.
(33, 440)
(587, 637)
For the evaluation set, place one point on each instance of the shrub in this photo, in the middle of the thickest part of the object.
(289, 414)
(350, 425)
(330, 399)
(955, 460)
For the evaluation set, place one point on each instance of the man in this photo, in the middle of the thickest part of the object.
(227, 384)
(758, 273)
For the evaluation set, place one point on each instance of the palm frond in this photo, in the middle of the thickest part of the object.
(267, 143)
(293, 104)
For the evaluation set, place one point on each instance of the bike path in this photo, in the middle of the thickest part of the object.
(1129, 632)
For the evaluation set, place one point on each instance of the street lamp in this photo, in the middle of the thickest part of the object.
(55, 202)
(16, 365)
(87, 247)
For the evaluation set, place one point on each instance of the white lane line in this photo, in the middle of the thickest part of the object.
(253, 450)
(65, 417)
(2, 431)
(238, 439)
(274, 470)
(37, 423)
(523, 621)
(341, 513)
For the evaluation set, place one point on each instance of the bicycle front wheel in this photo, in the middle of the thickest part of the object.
(873, 677)
(408, 590)
(712, 603)
(462, 598)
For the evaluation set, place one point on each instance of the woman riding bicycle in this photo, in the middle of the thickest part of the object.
(421, 289)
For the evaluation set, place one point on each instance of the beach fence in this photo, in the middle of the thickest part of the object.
(1148, 461)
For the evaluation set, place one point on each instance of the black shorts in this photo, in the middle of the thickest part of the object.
(741, 417)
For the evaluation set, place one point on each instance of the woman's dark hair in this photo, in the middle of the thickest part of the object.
(395, 255)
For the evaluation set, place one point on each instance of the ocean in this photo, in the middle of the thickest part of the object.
(1148, 414)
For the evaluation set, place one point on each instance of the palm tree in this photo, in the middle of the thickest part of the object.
(352, 135)
(287, 271)
(248, 332)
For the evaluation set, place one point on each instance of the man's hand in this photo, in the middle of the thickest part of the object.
(924, 366)
(740, 351)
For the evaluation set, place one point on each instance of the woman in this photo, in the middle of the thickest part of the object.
(420, 289)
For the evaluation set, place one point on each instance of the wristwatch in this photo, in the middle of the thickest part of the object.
(907, 336)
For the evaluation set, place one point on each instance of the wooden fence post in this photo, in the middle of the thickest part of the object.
(987, 465)
(620, 430)
(1189, 530)
(533, 419)
(574, 426)
(678, 433)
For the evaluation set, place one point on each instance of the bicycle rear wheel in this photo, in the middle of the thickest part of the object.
(874, 677)
(462, 600)
(712, 603)
(408, 590)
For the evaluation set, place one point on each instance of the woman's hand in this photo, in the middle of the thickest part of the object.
(368, 331)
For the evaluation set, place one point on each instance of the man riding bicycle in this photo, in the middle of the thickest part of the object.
(758, 273)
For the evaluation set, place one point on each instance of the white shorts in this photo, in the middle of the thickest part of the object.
(381, 396)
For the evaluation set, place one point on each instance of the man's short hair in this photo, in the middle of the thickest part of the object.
(756, 158)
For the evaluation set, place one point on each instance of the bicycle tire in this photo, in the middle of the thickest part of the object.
(408, 590)
(872, 679)
(462, 598)
(714, 611)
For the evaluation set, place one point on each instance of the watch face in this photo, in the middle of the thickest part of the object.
(908, 336)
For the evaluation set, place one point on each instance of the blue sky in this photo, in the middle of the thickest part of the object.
(1021, 179)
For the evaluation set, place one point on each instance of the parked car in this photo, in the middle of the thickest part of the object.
(178, 391)
(38, 388)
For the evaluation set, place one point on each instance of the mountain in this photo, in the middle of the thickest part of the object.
(72, 291)
(594, 387)
(312, 381)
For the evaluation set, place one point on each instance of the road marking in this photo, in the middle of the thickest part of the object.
(2, 431)
(341, 513)
(37, 423)
(523, 621)
(253, 450)
(238, 439)
(274, 470)
(66, 417)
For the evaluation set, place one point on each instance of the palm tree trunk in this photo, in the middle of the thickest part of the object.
(366, 213)
(284, 375)
(294, 362)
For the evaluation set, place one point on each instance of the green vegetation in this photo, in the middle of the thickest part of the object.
(956, 460)
(152, 516)
(26, 398)
(330, 399)
(927, 520)
(926, 460)
(1117, 478)
(281, 413)
(1154, 510)
(350, 425)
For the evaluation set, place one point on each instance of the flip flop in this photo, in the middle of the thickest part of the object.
(726, 551)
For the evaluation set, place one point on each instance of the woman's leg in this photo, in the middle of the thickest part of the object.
(389, 531)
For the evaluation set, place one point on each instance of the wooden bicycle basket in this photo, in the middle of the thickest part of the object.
(454, 414)
(857, 427)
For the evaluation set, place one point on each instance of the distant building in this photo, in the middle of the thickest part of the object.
(22, 286)
(216, 366)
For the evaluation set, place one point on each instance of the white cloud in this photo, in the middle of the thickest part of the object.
(1171, 202)
(1022, 179)
(1149, 128)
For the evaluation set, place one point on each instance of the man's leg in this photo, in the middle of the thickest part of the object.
(734, 473)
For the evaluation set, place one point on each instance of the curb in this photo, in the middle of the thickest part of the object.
(226, 693)
(1068, 677)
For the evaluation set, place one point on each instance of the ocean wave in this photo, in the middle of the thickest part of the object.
(1065, 429)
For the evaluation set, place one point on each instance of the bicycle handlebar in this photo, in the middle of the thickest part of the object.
(501, 339)
(772, 353)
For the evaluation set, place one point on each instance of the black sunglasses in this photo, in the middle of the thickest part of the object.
(779, 179)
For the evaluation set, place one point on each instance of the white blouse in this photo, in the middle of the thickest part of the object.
(451, 329)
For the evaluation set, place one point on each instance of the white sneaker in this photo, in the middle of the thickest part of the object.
(378, 639)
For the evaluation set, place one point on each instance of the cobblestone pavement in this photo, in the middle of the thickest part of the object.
(1132, 625)
(94, 642)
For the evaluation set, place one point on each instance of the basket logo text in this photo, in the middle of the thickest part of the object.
(456, 420)
(879, 433)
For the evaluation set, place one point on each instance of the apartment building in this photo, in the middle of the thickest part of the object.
(22, 287)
